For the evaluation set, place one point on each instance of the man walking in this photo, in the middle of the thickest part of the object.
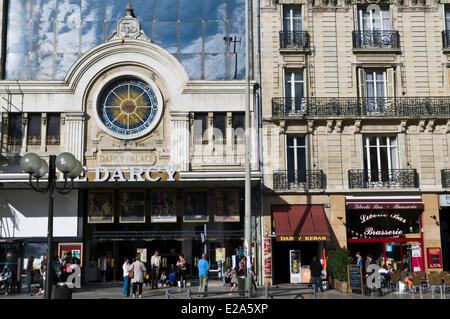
(203, 269)
(316, 273)
(155, 263)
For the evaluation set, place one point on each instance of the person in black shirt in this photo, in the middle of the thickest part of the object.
(316, 273)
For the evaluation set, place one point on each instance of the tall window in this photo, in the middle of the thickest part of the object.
(238, 127)
(377, 88)
(447, 26)
(296, 158)
(219, 125)
(34, 129)
(380, 157)
(53, 129)
(294, 87)
(200, 126)
(292, 19)
(15, 129)
(374, 27)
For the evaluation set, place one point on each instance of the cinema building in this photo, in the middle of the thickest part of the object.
(152, 102)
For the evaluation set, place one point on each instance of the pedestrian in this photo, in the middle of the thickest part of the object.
(138, 271)
(42, 271)
(181, 266)
(163, 280)
(369, 261)
(6, 279)
(227, 277)
(30, 275)
(172, 278)
(359, 261)
(126, 277)
(253, 274)
(203, 269)
(234, 279)
(316, 273)
(103, 267)
(155, 263)
(57, 269)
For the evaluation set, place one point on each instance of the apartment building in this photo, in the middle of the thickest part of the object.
(356, 114)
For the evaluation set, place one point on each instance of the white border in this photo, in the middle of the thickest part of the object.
(125, 74)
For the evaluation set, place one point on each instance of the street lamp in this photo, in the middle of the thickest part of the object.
(36, 167)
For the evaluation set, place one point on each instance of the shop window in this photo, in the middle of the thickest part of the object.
(53, 129)
(34, 129)
(15, 129)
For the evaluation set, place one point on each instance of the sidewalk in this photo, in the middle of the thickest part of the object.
(113, 290)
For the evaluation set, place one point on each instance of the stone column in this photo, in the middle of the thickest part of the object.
(74, 134)
(179, 145)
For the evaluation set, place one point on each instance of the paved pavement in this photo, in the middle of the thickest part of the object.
(113, 290)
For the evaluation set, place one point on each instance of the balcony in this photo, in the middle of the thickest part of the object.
(445, 177)
(293, 180)
(294, 40)
(376, 39)
(395, 107)
(389, 178)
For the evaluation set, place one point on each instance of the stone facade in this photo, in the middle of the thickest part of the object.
(330, 67)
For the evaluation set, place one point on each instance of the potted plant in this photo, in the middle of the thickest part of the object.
(337, 261)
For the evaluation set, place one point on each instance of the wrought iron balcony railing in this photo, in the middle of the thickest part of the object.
(405, 107)
(303, 179)
(445, 177)
(446, 39)
(294, 40)
(392, 178)
(376, 39)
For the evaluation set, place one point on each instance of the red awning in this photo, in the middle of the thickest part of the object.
(384, 202)
(300, 223)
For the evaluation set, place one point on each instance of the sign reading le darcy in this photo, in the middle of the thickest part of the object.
(128, 174)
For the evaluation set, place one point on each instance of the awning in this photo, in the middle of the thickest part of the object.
(300, 223)
(383, 202)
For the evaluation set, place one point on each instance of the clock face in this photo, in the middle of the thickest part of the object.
(128, 108)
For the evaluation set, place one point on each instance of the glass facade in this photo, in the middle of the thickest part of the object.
(45, 37)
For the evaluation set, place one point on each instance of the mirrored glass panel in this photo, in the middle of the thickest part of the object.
(45, 37)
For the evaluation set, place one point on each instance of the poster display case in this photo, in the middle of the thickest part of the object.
(295, 266)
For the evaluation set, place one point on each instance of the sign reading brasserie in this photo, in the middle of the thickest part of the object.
(128, 174)
(384, 223)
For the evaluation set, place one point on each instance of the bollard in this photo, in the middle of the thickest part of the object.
(267, 292)
(189, 295)
(314, 294)
(167, 293)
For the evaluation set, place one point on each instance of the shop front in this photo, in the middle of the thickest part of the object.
(444, 220)
(301, 233)
(388, 228)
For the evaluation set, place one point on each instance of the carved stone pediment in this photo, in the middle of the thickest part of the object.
(128, 28)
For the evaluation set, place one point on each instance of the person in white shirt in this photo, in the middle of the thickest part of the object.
(155, 263)
(126, 277)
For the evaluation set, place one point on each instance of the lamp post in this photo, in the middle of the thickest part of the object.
(36, 167)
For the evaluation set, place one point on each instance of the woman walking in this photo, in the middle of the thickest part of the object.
(126, 277)
(181, 264)
(42, 271)
(138, 271)
(30, 275)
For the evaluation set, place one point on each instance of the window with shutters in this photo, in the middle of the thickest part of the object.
(376, 90)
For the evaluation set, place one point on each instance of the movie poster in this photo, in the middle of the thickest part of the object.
(227, 206)
(196, 206)
(100, 207)
(132, 206)
(164, 207)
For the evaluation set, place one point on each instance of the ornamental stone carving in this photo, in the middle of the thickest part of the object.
(128, 27)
